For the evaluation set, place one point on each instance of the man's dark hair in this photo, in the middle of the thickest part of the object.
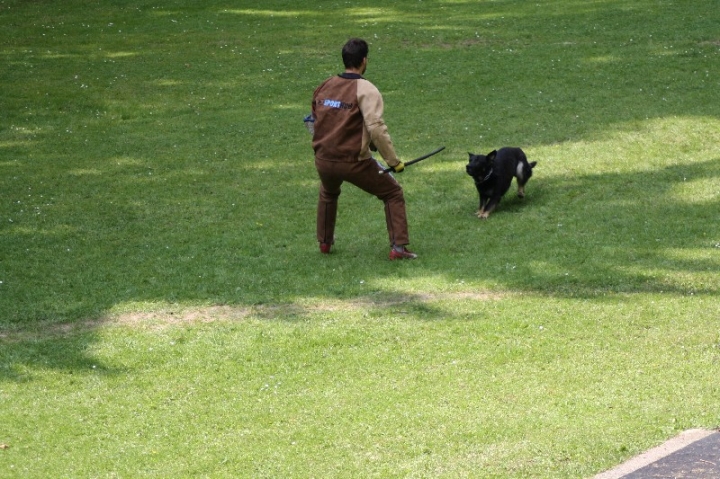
(353, 52)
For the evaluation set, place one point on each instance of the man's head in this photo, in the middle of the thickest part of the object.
(354, 54)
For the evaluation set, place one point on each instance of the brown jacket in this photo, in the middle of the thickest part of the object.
(348, 113)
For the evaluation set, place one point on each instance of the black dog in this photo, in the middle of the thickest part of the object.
(494, 173)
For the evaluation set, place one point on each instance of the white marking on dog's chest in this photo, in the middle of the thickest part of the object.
(519, 170)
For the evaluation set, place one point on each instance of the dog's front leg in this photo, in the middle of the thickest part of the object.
(488, 208)
(481, 203)
(481, 207)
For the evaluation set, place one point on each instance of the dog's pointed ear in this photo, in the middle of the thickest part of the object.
(532, 165)
(492, 155)
(470, 154)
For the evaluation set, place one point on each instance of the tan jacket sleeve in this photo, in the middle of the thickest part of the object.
(371, 106)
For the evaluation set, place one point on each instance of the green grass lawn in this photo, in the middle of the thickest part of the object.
(164, 309)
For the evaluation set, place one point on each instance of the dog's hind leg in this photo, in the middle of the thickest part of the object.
(521, 190)
(523, 174)
(521, 177)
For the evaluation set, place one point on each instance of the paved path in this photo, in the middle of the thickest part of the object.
(694, 454)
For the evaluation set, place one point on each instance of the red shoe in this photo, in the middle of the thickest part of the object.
(403, 254)
(325, 248)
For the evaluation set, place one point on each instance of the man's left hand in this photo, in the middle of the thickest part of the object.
(399, 167)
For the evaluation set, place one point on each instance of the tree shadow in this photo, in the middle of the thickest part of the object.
(591, 235)
(24, 354)
(123, 195)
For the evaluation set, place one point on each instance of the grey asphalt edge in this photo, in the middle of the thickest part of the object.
(684, 439)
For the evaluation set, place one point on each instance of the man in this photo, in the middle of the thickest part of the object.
(348, 112)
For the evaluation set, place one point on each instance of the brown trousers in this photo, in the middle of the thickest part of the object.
(363, 174)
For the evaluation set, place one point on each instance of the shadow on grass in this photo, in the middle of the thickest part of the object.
(594, 234)
(121, 196)
(26, 353)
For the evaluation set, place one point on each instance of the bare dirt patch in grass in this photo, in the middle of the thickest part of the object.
(715, 43)
(167, 317)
